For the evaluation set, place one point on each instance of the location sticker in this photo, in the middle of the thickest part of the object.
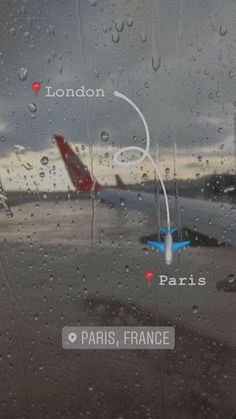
(149, 276)
(72, 337)
(36, 86)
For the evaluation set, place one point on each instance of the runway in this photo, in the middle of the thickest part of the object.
(78, 263)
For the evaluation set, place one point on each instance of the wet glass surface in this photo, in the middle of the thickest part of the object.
(80, 258)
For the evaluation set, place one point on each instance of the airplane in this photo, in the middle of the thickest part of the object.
(168, 246)
(215, 220)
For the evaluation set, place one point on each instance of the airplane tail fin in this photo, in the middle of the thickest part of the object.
(119, 182)
(78, 172)
(168, 230)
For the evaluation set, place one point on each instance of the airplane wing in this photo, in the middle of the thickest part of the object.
(157, 245)
(178, 245)
(213, 219)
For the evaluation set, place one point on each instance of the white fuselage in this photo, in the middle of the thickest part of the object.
(168, 248)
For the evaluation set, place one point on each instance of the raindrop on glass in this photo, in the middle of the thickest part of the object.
(156, 63)
(23, 74)
(143, 37)
(130, 21)
(60, 69)
(231, 278)
(223, 30)
(115, 37)
(195, 309)
(119, 24)
(122, 202)
(32, 107)
(44, 160)
(104, 136)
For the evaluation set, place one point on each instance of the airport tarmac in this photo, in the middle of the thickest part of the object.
(78, 263)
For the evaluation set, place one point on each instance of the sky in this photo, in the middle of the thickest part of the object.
(174, 58)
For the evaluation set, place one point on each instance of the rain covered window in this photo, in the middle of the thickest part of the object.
(117, 209)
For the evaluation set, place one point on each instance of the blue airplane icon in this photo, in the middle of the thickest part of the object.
(168, 246)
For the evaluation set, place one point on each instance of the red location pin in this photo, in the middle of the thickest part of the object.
(36, 86)
(149, 276)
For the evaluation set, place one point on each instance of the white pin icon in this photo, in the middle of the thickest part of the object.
(72, 337)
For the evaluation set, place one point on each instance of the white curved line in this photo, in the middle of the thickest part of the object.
(144, 153)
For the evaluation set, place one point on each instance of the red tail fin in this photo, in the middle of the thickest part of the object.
(78, 172)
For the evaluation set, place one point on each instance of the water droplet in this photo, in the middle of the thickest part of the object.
(104, 136)
(3, 138)
(44, 160)
(143, 37)
(119, 24)
(92, 3)
(199, 158)
(156, 62)
(122, 202)
(231, 74)
(51, 30)
(223, 30)
(115, 37)
(60, 69)
(195, 309)
(129, 21)
(23, 73)
(32, 107)
(13, 31)
(231, 278)
(145, 176)
(106, 155)
(220, 130)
